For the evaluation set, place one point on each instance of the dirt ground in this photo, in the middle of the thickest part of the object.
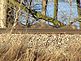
(40, 47)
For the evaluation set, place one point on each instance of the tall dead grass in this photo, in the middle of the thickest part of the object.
(25, 47)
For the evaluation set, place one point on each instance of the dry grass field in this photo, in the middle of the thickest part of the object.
(40, 47)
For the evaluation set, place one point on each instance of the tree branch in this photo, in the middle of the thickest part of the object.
(37, 15)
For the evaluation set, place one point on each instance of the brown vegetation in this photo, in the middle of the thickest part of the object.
(40, 47)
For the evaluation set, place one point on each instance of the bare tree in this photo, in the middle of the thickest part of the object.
(3, 13)
(79, 9)
(55, 8)
(37, 15)
(44, 6)
(70, 8)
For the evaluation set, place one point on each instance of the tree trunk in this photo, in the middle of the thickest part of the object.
(70, 9)
(3, 13)
(30, 3)
(55, 9)
(79, 9)
(44, 6)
